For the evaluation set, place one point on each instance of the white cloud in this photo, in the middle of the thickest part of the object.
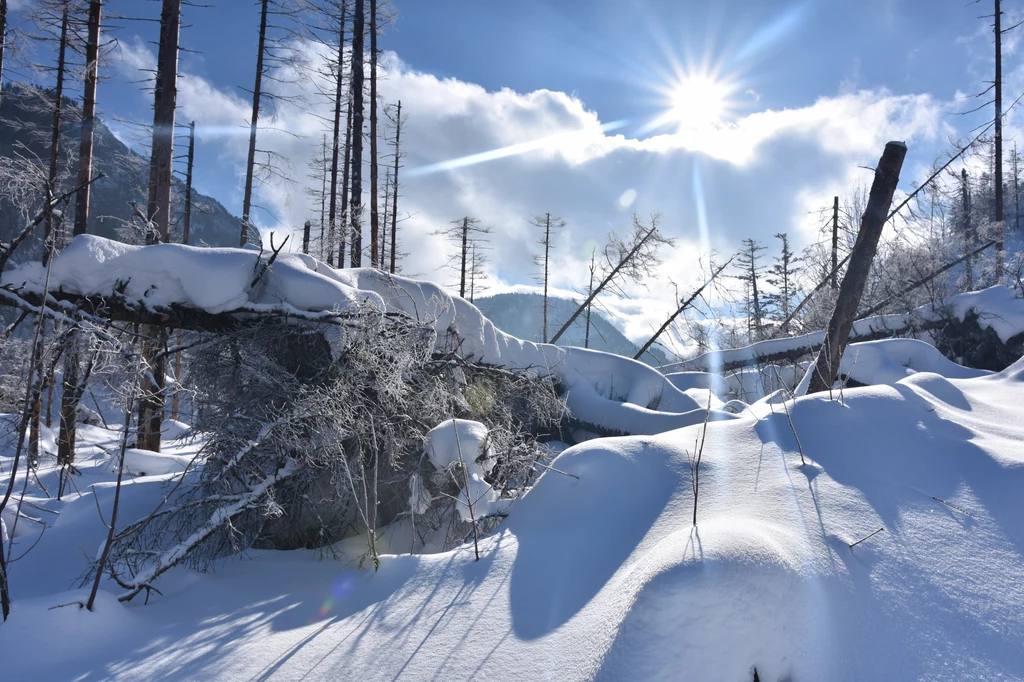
(760, 172)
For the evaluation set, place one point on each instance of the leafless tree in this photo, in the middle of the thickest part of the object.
(550, 226)
(631, 258)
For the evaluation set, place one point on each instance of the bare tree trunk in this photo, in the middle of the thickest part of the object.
(465, 251)
(3, 39)
(186, 228)
(51, 184)
(374, 218)
(72, 391)
(250, 165)
(394, 193)
(835, 242)
(965, 206)
(186, 221)
(323, 200)
(590, 290)
(151, 401)
(92, 50)
(345, 175)
(887, 175)
(305, 235)
(547, 252)
(384, 220)
(1000, 227)
(356, 203)
(333, 203)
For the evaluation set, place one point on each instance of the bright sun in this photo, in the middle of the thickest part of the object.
(697, 101)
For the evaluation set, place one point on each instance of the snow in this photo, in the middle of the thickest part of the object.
(463, 441)
(611, 393)
(603, 577)
(598, 571)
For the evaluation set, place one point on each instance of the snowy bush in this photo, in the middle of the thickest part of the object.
(315, 433)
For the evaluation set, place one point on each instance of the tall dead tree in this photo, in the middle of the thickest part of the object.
(356, 83)
(632, 258)
(257, 93)
(835, 243)
(332, 210)
(345, 177)
(49, 236)
(374, 218)
(590, 291)
(73, 383)
(186, 227)
(397, 121)
(1000, 227)
(92, 50)
(466, 233)
(3, 39)
(549, 225)
(837, 335)
(186, 218)
(385, 205)
(151, 401)
(968, 227)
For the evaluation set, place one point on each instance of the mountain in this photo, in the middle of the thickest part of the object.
(521, 315)
(26, 122)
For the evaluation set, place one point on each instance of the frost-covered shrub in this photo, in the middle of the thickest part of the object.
(314, 433)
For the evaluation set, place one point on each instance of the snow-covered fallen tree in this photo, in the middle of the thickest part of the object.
(997, 310)
(174, 284)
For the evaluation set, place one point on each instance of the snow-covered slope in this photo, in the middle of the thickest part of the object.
(604, 576)
(875, 534)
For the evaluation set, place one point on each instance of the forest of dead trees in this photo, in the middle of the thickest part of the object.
(949, 235)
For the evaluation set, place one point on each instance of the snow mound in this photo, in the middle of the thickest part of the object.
(465, 441)
(148, 463)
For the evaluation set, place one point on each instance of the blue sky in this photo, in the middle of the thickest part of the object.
(804, 92)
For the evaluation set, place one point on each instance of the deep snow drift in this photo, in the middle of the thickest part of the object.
(601, 573)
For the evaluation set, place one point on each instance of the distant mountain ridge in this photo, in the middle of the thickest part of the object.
(521, 315)
(26, 122)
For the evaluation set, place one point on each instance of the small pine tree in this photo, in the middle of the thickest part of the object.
(782, 276)
(751, 271)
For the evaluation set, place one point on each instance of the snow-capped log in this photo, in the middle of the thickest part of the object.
(213, 289)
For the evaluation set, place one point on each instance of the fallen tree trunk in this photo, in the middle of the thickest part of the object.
(794, 348)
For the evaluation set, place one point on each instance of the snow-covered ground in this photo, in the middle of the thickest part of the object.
(601, 573)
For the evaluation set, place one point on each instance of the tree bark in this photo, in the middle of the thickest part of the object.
(257, 93)
(1000, 228)
(332, 211)
(92, 51)
(465, 252)
(394, 193)
(152, 399)
(374, 218)
(356, 203)
(835, 242)
(887, 176)
(3, 39)
(49, 237)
